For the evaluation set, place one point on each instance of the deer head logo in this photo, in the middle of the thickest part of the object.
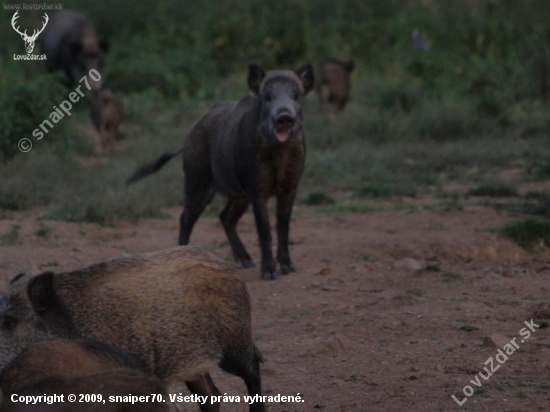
(29, 40)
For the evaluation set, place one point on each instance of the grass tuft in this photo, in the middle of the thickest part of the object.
(528, 232)
(495, 189)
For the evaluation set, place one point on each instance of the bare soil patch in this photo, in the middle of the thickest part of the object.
(388, 312)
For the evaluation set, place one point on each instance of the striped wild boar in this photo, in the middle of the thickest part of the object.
(83, 366)
(178, 312)
(248, 150)
(334, 83)
(106, 115)
(72, 45)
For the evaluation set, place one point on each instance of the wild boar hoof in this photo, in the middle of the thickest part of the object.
(286, 269)
(247, 264)
(270, 276)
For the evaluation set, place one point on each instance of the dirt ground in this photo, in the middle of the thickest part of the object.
(389, 311)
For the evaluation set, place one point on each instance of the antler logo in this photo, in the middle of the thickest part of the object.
(29, 40)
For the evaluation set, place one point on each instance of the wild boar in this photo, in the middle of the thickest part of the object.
(178, 312)
(66, 357)
(71, 44)
(106, 115)
(248, 150)
(334, 83)
(121, 382)
(83, 366)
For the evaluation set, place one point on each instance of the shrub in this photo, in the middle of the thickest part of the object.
(26, 105)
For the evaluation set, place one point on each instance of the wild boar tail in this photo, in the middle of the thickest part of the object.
(153, 167)
(258, 355)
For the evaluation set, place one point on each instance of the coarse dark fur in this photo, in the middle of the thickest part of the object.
(178, 312)
(335, 83)
(248, 150)
(72, 45)
(81, 366)
(121, 382)
(106, 114)
(64, 357)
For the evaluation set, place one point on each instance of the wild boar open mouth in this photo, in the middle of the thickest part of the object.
(283, 128)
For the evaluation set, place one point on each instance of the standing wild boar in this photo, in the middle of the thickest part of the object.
(106, 115)
(72, 45)
(334, 83)
(248, 150)
(178, 312)
(63, 367)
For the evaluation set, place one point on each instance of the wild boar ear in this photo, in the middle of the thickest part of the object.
(350, 66)
(305, 73)
(41, 292)
(256, 75)
(17, 277)
(104, 45)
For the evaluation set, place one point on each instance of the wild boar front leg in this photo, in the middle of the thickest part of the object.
(285, 202)
(261, 217)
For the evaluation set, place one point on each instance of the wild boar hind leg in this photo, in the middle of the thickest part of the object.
(204, 386)
(229, 217)
(197, 195)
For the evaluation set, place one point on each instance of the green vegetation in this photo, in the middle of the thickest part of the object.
(318, 198)
(472, 104)
(495, 189)
(43, 230)
(527, 232)
(12, 237)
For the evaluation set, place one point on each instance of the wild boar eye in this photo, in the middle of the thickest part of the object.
(268, 96)
(9, 323)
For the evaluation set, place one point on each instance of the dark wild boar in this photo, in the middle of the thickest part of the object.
(248, 150)
(121, 382)
(66, 357)
(63, 367)
(106, 115)
(178, 312)
(72, 45)
(334, 83)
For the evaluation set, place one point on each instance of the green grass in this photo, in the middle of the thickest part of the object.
(392, 167)
(381, 191)
(495, 189)
(459, 113)
(347, 208)
(12, 237)
(43, 230)
(527, 232)
(468, 328)
(318, 198)
(448, 276)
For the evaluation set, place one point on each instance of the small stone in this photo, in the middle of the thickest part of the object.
(496, 340)
(408, 263)
(337, 345)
